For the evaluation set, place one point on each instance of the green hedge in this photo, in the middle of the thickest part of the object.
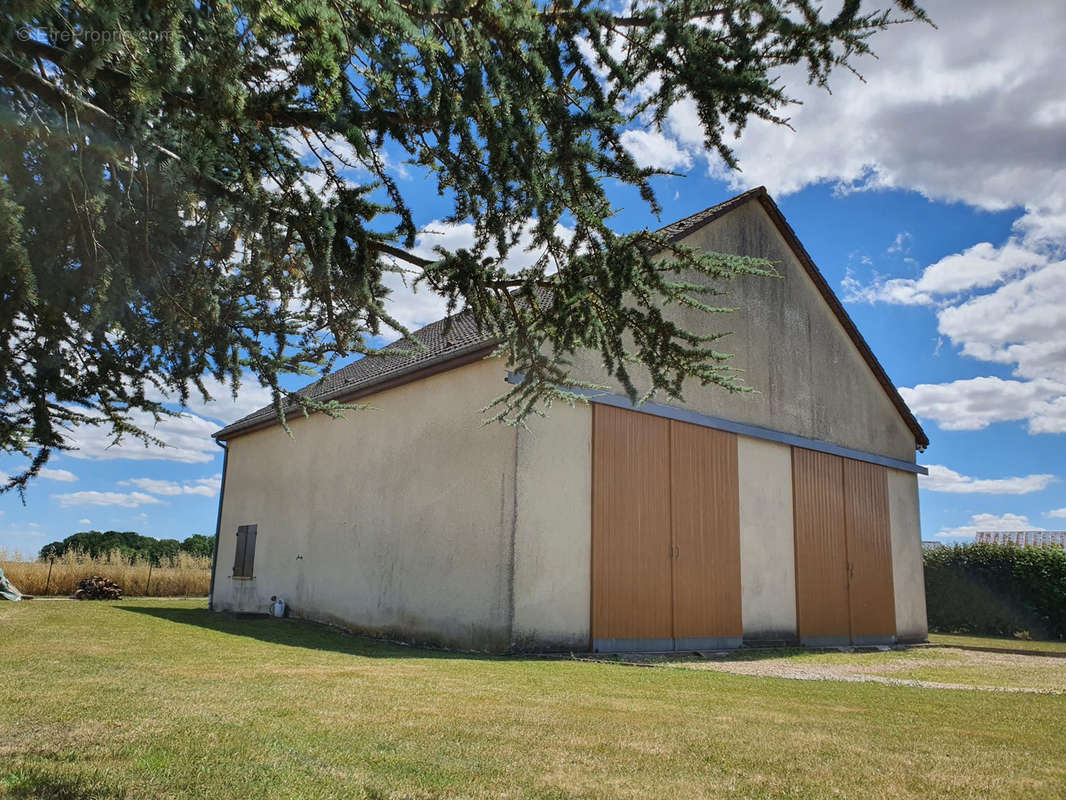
(996, 589)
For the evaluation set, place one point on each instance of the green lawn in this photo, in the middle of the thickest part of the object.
(957, 640)
(159, 698)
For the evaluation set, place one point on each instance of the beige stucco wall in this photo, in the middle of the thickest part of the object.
(553, 540)
(808, 376)
(908, 575)
(767, 557)
(396, 521)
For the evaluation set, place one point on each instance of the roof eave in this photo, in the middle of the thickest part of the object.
(451, 360)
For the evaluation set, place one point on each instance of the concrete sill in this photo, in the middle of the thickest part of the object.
(241, 578)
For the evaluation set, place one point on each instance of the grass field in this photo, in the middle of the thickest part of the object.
(997, 643)
(184, 576)
(160, 698)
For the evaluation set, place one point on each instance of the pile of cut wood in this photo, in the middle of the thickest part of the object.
(97, 588)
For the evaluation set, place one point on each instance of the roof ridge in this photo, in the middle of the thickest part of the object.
(683, 227)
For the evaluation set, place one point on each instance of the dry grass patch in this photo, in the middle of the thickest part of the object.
(183, 576)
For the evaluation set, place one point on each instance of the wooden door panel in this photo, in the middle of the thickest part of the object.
(821, 547)
(705, 511)
(631, 547)
(869, 547)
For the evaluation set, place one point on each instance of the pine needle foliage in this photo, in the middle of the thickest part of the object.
(194, 189)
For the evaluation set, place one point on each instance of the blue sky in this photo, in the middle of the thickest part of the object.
(932, 197)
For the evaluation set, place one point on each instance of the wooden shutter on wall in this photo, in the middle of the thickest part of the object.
(244, 553)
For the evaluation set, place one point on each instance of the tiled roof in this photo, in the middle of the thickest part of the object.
(683, 227)
(440, 340)
(444, 343)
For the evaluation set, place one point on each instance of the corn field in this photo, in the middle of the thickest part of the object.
(183, 576)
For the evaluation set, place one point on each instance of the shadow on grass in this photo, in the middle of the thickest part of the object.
(41, 784)
(303, 633)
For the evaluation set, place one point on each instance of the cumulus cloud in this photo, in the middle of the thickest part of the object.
(205, 487)
(123, 499)
(944, 479)
(988, 522)
(980, 266)
(975, 403)
(187, 437)
(62, 475)
(1022, 323)
(48, 474)
(961, 112)
(651, 149)
(85, 521)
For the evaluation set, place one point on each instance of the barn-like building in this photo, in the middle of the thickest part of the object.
(785, 514)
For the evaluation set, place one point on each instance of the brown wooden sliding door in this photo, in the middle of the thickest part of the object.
(631, 545)
(844, 590)
(821, 548)
(665, 534)
(706, 524)
(873, 608)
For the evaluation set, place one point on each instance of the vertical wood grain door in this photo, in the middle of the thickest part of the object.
(869, 546)
(705, 509)
(822, 603)
(665, 534)
(631, 542)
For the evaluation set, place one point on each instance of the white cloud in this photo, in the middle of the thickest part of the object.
(123, 499)
(85, 522)
(222, 407)
(651, 149)
(980, 266)
(898, 291)
(944, 479)
(976, 403)
(988, 522)
(901, 244)
(1022, 323)
(48, 474)
(960, 112)
(205, 487)
(62, 475)
(188, 439)
(187, 436)
(1057, 513)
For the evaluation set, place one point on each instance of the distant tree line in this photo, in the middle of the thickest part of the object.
(129, 544)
